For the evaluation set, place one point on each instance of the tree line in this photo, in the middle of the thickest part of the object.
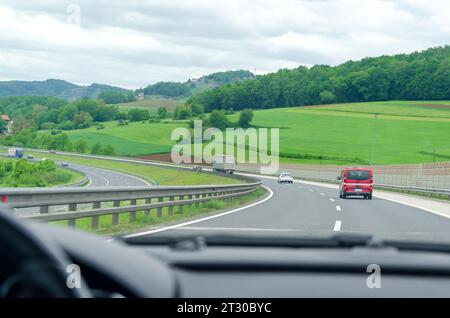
(417, 76)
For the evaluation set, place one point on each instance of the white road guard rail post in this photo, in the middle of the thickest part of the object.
(78, 203)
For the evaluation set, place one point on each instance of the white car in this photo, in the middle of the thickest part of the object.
(285, 178)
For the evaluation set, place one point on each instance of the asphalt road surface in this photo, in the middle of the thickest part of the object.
(107, 178)
(308, 210)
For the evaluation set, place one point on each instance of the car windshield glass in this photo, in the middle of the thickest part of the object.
(358, 175)
(263, 118)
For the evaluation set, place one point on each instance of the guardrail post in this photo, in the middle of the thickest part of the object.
(72, 207)
(197, 204)
(190, 198)
(115, 217)
(43, 209)
(181, 207)
(133, 214)
(160, 209)
(94, 219)
(147, 201)
(171, 207)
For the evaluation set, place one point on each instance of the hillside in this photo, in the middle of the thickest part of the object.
(54, 88)
(401, 132)
(193, 86)
(416, 76)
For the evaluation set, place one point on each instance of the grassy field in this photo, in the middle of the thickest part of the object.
(142, 221)
(164, 176)
(133, 140)
(152, 104)
(400, 132)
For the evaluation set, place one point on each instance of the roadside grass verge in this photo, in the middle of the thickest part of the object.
(143, 221)
(23, 173)
(164, 176)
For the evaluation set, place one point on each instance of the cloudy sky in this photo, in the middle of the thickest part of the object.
(134, 43)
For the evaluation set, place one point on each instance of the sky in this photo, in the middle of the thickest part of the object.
(135, 43)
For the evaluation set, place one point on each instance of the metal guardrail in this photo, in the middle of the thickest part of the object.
(108, 201)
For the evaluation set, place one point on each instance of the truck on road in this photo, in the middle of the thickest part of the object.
(15, 153)
(224, 164)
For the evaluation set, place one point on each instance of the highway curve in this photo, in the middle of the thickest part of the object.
(107, 178)
(302, 209)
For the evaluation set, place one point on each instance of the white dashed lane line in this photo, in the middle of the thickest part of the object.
(338, 208)
(331, 199)
(322, 194)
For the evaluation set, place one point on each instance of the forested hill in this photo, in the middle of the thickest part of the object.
(192, 86)
(421, 75)
(55, 88)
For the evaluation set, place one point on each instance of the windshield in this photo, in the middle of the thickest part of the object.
(240, 119)
(358, 175)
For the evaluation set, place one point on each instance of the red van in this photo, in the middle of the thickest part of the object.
(356, 181)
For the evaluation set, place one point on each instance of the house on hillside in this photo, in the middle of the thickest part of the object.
(141, 96)
(9, 123)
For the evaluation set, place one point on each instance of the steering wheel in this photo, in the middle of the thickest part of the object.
(31, 268)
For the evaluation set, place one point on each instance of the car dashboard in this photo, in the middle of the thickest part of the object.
(120, 269)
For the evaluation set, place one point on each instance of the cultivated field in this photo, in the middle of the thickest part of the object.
(362, 133)
(152, 104)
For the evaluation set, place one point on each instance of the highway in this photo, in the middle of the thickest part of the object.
(306, 209)
(303, 209)
(107, 178)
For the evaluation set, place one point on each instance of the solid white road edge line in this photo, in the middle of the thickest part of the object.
(414, 206)
(337, 226)
(203, 219)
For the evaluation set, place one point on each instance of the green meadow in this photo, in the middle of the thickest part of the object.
(391, 132)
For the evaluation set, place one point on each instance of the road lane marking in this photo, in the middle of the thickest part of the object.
(337, 226)
(322, 194)
(331, 199)
(311, 190)
(203, 219)
(338, 208)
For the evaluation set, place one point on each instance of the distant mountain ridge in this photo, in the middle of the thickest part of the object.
(193, 86)
(55, 88)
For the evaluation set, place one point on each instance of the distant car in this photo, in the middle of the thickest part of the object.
(285, 178)
(30, 157)
(64, 164)
(52, 151)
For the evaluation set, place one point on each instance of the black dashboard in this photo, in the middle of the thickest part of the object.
(116, 269)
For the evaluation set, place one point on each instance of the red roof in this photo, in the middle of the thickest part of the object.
(6, 118)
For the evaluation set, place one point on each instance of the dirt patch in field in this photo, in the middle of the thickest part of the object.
(439, 106)
(164, 157)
